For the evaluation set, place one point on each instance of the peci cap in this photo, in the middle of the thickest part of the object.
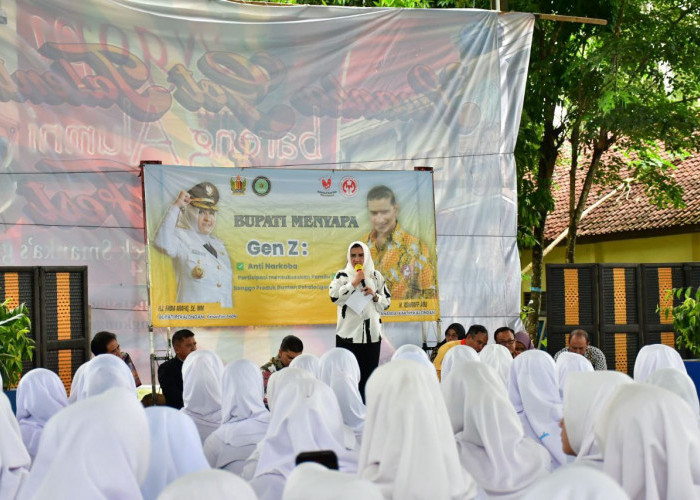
(204, 195)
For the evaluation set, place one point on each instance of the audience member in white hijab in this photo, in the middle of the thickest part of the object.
(105, 372)
(457, 352)
(277, 381)
(312, 480)
(408, 448)
(650, 443)
(14, 459)
(282, 377)
(244, 417)
(654, 357)
(414, 353)
(490, 439)
(96, 448)
(76, 387)
(534, 392)
(211, 484)
(340, 371)
(678, 383)
(499, 358)
(576, 482)
(586, 395)
(175, 449)
(306, 417)
(570, 362)
(40, 394)
(201, 390)
(307, 362)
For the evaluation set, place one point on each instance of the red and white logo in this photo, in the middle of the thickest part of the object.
(327, 187)
(348, 186)
(326, 183)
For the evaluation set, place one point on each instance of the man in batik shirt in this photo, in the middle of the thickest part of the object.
(403, 259)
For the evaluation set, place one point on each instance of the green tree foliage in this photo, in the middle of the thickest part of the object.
(15, 344)
(631, 87)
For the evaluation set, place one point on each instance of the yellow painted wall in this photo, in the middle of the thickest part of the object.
(661, 249)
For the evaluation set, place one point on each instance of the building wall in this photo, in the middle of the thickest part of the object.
(660, 249)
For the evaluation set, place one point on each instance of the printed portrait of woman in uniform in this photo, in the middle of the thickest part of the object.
(202, 265)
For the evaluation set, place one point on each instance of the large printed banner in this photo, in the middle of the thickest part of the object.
(90, 88)
(260, 246)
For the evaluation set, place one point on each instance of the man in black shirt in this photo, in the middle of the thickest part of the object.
(170, 372)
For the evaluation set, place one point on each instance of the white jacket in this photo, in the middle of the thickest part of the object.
(367, 326)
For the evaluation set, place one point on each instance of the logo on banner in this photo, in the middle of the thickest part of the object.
(238, 185)
(348, 186)
(261, 185)
(327, 187)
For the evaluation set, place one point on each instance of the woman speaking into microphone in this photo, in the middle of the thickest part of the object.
(361, 295)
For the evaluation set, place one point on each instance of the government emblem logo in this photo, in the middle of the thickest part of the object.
(261, 185)
(238, 185)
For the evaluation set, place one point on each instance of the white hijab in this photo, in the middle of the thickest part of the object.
(212, 484)
(340, 371)
(499, 358)
(367, 267)
(654, 357)
(105, 372)
(414, 353)
(306, 417)
(14, 459)
(570, 362)
(95, 448)
(534, 392)
(327, 484)
(201, 390)
(678, 383)
(40, 394)
(175, 449)
(586, 394)
(78, 382)
(457, 352)
(282, 377)
(244, 417)
(576, 482)
(490, 438)
(307, 362)
(408, 448)
(650, 442)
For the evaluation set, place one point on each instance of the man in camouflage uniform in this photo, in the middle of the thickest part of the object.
(290, 348)
(403, 259)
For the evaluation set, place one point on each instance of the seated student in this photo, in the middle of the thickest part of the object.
(653, 357)
(586, 395)
(476, 337)
(176, 449)
(170, 372)
(40, 395)
(244, 417)
(340, 371)
(290, 348)
(305, 417)
(410, 458)
(490, 439)
(14, 459)
(650, 442)
(201, 382)
(106, 343)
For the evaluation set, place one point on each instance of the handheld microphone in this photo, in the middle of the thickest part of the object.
(358, 267)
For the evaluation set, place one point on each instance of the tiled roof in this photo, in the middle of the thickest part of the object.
(627, 211)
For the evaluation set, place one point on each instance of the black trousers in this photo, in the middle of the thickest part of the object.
(367, 356)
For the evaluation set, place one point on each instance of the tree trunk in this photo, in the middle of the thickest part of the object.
(602, 144)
